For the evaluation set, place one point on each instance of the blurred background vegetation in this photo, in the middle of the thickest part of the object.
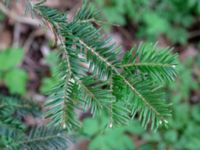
(28, 60)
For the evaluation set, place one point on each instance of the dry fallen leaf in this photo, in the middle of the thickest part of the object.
(190, 51)
(5, 39)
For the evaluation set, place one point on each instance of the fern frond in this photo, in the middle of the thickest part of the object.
(159, 63)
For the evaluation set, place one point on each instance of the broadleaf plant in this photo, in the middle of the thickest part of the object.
(14, 77)
(93, 76)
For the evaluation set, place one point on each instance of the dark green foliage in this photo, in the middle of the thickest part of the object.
(38, 138)
(92, 76)
(13, 110)
(91, 73)
(15, 133)
(157, 63)
(44, 138)
(58, 17)
(92, 94)
(183, 127)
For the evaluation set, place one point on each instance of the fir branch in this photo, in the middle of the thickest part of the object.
(93, 95)
(160, 64)
(138, 73)
(43, 138)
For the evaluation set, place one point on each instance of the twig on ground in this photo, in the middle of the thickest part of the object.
(16, 37)
(20, 19)
(31, 37)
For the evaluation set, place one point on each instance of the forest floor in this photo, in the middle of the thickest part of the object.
(19, 30)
